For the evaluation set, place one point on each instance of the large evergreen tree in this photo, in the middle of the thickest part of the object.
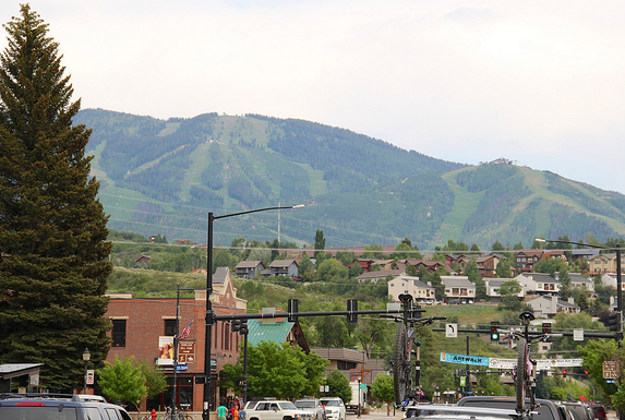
(53, 234)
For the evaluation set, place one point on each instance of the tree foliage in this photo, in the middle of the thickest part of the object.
(382, 388)
(339, 385)
(123, 381)
(52, 227)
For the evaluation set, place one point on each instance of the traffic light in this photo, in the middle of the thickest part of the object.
(236, 325)
(352, 306)
(243, 330)
(293, 309)
(564, 373)
(586, 372)
(494, 331)
(546, 328)
(613, 321)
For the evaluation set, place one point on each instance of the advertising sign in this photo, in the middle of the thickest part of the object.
(463, 359)
(165, 351)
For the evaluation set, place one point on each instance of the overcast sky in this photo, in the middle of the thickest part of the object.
(538, 82)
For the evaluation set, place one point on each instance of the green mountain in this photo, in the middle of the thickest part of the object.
(163, 177)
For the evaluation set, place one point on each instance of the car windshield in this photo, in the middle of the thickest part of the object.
(305, 404)
(330, 403)
(287, 405)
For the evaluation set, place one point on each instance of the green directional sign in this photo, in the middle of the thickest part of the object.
(363, 386)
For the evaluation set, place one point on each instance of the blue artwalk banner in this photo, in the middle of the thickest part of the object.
(464, 359)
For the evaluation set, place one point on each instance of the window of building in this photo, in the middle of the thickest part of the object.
(119, 333)
(170, 327)
(345, 365)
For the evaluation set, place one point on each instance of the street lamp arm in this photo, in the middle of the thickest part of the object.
(299, 206)
(572, 243)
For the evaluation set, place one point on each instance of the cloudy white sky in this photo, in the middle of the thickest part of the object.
(539, 82)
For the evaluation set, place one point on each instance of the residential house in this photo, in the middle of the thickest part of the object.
(549, 306)
(605, 263)
(538, 283)
(583, 254)
(385, 264)
(579, 280)
(375, 276)
(288, 268)
(364, 263)
(200, 270)
(429, 265)
(494, 284)
(526, 259)
(458, 288)
(420, 291)
(610, 280)
(143, 261)
(249, 269)
(487, 264)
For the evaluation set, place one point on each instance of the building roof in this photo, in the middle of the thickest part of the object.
(578, 278)
(456, 281)
(584, 252)
(380, 273)
(249, 264)
(542, 277)
(282, 263)
(414, 280)
(259, 331)
(13, 370)
(221, 273)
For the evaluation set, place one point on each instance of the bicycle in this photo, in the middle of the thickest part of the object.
(179, 415)
(524, 373)
(403, 385)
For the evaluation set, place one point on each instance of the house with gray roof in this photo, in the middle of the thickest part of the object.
(538, 284)
(579, 280)
(420, 291)
(375, 276)
(549, 306)
(458, 288)
(494, 284)
(249, 269)
(288, 268)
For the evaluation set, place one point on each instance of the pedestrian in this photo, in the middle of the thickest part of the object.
(242, 414)
(235, 413)
(222, 412)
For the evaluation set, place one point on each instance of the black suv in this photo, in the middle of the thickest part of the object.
(59, 407)
(547, 410)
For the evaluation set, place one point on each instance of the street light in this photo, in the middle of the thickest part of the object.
(86, 356)
(210, 315)
(619, 287)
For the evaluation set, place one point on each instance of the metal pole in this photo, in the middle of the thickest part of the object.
(244, 368)
(467, 384)
(84, 387)
(359, 409)
(174, 397)
(417, 372)
(209, 320)
(619, 288)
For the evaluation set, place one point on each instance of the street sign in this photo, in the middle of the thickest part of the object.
(451, 330)
(363, 386)
(578, 334)
(90, 377)
(610, 369)
(186, 352)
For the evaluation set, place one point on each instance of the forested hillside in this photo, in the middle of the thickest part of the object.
(162, 177)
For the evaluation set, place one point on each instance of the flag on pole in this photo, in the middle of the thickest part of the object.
(186, 332)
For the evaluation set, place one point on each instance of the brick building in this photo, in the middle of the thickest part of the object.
(141, 326)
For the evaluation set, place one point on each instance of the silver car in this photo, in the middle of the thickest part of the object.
(335, 408)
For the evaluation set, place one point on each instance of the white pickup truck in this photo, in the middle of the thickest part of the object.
(275, 410)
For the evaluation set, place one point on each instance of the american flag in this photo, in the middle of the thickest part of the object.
(186, 332)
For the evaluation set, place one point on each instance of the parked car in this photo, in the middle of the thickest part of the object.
(598, 410)
(275, 410)
(314, 405)
(547, 410)
(579, 410)
(59, 407)
(335, 408)
(450, 412)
